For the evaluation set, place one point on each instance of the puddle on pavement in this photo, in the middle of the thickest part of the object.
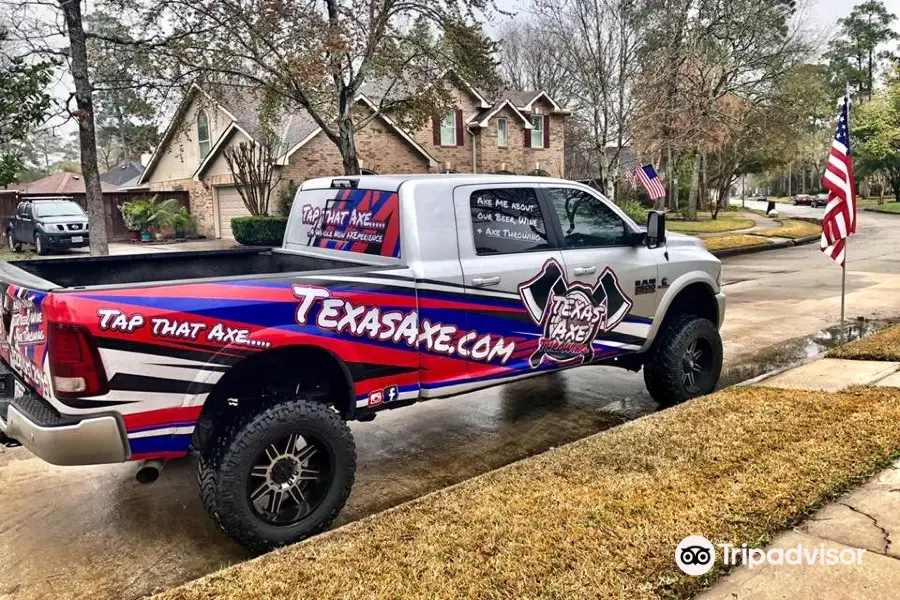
(798, 350)
(105, 536)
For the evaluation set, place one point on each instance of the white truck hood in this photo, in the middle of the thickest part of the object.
(681, 240)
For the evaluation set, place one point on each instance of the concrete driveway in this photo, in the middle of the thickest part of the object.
(80, 532)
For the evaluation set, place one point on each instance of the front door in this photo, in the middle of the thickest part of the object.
(504, 247)
(599, 257)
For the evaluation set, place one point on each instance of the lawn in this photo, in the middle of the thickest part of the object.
(599, 518)
(726, 242)
(705, 224)
(792, 229)
(884, 345)
(7, 255)
(887, 207)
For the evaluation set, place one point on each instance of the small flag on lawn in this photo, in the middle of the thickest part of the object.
(648, 177)
(839, 222)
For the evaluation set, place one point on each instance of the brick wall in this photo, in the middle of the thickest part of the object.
(201, 202)
(380, 150)
(459, 158)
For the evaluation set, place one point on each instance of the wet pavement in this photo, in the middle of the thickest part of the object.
(79, 532)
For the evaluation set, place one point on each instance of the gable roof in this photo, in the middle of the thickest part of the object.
(482, 118)
(122, 173)
(167, 135)
(63, 183)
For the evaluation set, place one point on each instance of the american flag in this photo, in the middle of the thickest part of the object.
(630, 178)
(840, 212)
(650, 180)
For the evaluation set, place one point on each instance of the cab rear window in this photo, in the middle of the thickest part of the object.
(352, 220)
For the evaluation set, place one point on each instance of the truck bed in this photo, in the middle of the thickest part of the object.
(170, 267)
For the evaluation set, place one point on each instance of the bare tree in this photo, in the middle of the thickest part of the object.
(598, 41)
(255, 175)
(533, 58)
(321, 55)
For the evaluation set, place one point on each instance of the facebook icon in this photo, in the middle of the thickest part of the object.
(391, 393)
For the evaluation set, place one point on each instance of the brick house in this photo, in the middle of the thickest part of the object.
(519, 132)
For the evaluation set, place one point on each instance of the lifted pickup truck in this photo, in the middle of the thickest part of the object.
(387, 290)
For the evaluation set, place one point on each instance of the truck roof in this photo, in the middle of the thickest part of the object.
(390, 183)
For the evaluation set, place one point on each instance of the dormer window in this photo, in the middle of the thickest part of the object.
(203, 133)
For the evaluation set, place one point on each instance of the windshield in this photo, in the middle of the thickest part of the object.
(57, 209)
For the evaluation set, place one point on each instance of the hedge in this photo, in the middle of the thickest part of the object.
(259, 231)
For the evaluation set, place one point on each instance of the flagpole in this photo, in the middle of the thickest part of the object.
(847, 239)
(843, 287)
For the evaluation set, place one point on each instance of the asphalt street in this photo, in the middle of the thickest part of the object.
(78, 532)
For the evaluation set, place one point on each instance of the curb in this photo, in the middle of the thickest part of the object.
(763, 247)
(881, 212)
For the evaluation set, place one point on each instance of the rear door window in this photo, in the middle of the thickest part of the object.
(352, 220)
(507, 221)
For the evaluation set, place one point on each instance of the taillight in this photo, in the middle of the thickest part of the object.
(75, 365)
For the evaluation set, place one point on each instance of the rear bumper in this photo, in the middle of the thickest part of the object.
(30, 420)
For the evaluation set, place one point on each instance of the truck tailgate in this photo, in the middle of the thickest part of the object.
(23, 335)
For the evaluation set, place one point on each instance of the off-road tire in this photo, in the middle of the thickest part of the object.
(223, 471)
(663, 368)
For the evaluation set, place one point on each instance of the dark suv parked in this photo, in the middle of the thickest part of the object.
(50, 224)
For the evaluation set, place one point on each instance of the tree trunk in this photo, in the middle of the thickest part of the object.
(695, 184)
(87, 136)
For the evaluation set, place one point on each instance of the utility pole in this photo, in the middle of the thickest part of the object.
(743, 185)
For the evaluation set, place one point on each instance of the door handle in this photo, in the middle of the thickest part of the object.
(585, 270)
(485, 281)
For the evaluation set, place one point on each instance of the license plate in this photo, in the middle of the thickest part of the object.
(19, 389)
(77, 238)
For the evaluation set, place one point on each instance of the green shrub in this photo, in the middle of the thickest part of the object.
(259, 231)
(286, 198)
(636, 211)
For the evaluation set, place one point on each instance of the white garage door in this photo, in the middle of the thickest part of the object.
(230, 205)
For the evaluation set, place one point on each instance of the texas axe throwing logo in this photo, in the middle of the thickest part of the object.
(572, 314)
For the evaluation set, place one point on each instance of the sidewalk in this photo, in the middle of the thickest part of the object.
(867, 517)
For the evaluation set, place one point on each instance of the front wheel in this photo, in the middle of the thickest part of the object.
(283, 476)
(39, 245)
(686, 361)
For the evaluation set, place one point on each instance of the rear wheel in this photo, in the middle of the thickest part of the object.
(14, 246)
(686, 361)
(282, 476)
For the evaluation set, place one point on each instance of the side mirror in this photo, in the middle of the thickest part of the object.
(656, 229)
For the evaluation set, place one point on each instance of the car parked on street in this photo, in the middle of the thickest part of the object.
(387, 290)
(820, 200)
(50, 224)
(802, 200)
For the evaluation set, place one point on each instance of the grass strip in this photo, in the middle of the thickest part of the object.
(892, 208)
(599, 518)
(792, 229)
(726, 242)
(884, 345)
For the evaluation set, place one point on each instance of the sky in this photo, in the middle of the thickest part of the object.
(822, 14)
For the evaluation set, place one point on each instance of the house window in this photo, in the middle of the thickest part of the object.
(501, 133)
(448, 129)
(537, 134)
(203, 133)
